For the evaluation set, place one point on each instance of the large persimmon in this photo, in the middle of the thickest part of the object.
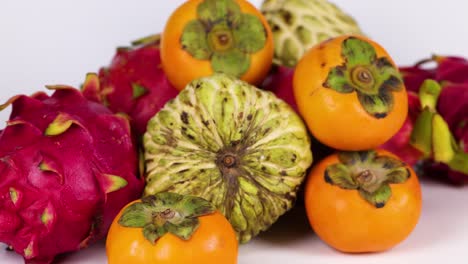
(350, 93)
(366, 201)
(169, 228)
(202, 37)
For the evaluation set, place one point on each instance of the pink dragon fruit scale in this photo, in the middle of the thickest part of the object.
(279, 81)
(134, 83)
(68, 165)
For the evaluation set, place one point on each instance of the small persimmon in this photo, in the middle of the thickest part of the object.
(366, 201)
(350, 93)
(169, 228)
(202, 37)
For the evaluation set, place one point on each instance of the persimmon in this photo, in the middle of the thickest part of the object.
(171, 228)
(225, 36)
(350, 93)
(364, 201)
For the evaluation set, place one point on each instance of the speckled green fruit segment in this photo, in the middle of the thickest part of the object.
(297, 25)
(237, 146)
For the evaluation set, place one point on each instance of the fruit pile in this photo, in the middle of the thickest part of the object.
(197, 139)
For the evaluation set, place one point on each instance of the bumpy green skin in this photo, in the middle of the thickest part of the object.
(189, 143)
(297, 25)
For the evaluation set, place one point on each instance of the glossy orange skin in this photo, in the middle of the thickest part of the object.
(181, 68)
(348, 223)
(213, 241)
(337, 119)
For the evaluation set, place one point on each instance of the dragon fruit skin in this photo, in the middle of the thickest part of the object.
(442, 171)
(453, 107)
(414, 76)
(452, 73)
(448, 70)
(279, 81)
(451, 68)
(68, 166)
(399, 144)
(134, 83)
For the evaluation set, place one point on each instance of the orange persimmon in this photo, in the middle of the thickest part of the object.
(168, 228)
(206, 36)
(350, 93)
(365, 201)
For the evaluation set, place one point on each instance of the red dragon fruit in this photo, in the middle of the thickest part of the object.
(68, 165)
(134, 83)
(450, 69)
(400, 142)
(452, 106)
(436, 132)
(414, 76)
(279, 81)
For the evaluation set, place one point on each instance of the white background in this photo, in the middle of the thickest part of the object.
(58, 42)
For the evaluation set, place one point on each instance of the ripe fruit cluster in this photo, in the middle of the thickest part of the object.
(220, 160)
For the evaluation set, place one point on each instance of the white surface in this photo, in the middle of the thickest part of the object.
(53, 41)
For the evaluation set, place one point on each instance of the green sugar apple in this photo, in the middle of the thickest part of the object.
(239, 147)
(297, 25)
